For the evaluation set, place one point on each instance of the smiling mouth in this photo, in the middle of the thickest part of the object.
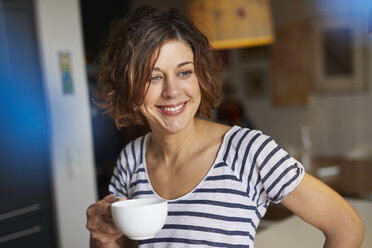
(172, 108)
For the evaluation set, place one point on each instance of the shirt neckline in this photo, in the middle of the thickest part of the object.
(218, 158)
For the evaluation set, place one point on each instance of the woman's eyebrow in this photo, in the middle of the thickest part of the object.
(178, 66)
(184, 63)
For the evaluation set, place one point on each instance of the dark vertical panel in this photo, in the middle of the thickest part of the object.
(24, 137)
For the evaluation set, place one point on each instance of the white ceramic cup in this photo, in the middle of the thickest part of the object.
(139, 218)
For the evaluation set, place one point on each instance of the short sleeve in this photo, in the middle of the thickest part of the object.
(279, 172)
(129, 158)
(118, 183)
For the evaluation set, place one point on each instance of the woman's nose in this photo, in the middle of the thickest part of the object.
(171, 88)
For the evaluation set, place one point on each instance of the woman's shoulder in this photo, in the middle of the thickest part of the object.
(239, 139)
(136, 147)
(236, 131)
(221, 131)
(214, 127)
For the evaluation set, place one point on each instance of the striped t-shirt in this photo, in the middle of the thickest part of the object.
(225, 208)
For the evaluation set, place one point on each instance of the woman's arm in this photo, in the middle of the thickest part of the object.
(322, 207)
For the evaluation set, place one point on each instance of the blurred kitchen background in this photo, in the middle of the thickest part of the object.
(299, 70)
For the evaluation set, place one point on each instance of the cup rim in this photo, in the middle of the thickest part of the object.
(139, 202)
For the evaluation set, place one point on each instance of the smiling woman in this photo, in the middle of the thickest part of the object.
(218, 180)
(129, 73)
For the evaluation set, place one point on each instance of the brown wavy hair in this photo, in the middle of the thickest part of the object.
(131, 52)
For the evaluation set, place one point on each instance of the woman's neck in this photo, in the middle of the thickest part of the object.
(171, 148)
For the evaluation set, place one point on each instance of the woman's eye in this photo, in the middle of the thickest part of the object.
(155, 78)
(185, 73)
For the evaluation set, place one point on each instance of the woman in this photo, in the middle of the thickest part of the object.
(218, 180)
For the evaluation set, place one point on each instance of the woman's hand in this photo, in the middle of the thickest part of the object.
(100, 223)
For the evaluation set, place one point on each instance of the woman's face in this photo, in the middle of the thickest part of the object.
(173, 96)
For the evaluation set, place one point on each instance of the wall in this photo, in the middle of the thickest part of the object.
(73, 172)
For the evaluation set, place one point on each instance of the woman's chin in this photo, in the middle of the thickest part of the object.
(173, 128)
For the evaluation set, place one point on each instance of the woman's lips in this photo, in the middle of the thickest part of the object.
(172, 109)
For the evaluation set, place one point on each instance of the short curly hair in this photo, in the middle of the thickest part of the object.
(131, 52)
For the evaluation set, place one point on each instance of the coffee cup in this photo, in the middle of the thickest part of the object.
(139, 219)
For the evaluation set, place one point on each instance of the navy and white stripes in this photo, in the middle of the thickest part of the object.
(225, 208)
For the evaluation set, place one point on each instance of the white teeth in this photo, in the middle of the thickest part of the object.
(173, 109)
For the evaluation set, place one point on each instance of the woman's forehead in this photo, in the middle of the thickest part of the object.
(173, 52)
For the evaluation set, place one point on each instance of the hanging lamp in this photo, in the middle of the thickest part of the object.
(233, 23)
